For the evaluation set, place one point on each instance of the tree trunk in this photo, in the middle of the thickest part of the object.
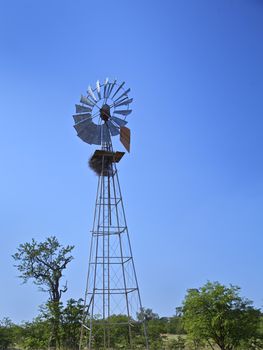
(54, 308)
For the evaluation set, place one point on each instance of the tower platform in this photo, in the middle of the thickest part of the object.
(102, 159)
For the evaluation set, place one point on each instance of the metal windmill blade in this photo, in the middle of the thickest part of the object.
(80, 117)
(123, 94)
(91, 93)
(114, 130)
(123, 102)
(105, 87)
(112, 87)
(105, 133)
(87, 130)
(98, 89)
(124, 112)
(97, 136)
(84, 124)
(108, 89)
(118, 121)
(91, 134)
(86, 101)
(115, 93)
(97, 121)
(82, 109)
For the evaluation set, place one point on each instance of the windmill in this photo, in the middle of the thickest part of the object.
(112, 302)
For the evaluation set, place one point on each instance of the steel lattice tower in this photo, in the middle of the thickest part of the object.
(112, 303)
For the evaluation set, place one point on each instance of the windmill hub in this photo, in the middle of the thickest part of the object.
(105, 112)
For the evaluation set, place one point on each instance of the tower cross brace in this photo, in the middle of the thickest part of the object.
(112, 300)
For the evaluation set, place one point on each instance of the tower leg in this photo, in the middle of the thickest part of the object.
(113, 308)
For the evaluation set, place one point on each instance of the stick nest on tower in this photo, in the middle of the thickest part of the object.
(101, 161)
(100, 166)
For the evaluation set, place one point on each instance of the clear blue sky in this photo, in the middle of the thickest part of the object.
(193, 183)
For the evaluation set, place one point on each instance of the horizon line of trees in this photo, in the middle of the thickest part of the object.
(213, 316)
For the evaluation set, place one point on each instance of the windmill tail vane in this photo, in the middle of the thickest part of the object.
(112, 302)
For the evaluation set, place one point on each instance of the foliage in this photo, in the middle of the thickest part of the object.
(118, 335)
(176, 344)
(209, 314)
(155, 328)
(254, 343)
(44, 263)
(147, 314)
(175, 325)
(35, 334)
(216, 314)
(6, 334)
(71, 315)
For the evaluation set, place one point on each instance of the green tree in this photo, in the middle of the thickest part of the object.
(147, 314)
(155, 327)
(119, 331)
(6, 333)
(44, 263)
(72, 315)
(175, 325)
(176, 344)
(35, 335)
(216, 314)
